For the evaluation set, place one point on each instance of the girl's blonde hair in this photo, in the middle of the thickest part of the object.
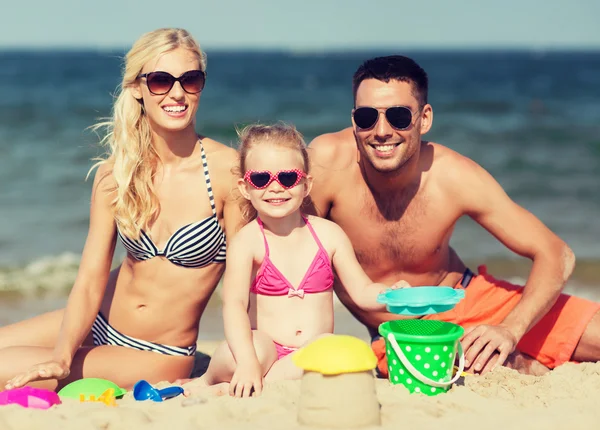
(128, 137)
(279, 134)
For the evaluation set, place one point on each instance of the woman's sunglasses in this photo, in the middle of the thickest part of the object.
(160, 83)
(399, 117)
(263, 178)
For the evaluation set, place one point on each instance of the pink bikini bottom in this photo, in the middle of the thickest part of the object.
(283, 351)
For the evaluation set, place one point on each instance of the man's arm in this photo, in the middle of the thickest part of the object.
(484, 200)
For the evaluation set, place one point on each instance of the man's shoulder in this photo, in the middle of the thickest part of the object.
(449, 165)
(443, 155)
(333, 150)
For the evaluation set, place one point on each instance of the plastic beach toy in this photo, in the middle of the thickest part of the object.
(336, 354)
(421, 354)
(421, 300)
(88, 387)
(108, 398)
(142, 390)
(29, 397)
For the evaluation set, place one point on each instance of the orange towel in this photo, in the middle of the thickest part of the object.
(488, 301)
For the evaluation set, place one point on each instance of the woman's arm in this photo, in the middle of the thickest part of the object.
(90, 284)
(87, 292)
(224, 183)
(232, 214)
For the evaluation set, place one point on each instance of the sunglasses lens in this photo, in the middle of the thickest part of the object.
(287, 179)
(159, 82)
(259, 179)
(193, 81)
(399, 117)
(365, 117)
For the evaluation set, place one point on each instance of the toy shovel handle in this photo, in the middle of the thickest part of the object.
(167, 393)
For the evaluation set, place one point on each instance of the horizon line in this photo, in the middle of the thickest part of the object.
(331, 49)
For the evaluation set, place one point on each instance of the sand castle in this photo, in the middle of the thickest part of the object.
(338, 385)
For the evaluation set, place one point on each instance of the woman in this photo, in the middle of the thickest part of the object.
(166, 194)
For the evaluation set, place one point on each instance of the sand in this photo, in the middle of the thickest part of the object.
(568, 397)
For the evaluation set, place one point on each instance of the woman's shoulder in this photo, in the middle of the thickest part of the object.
(222, 159)
(103, 177)
(217, 150)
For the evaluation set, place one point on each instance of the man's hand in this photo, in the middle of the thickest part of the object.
(487, 346)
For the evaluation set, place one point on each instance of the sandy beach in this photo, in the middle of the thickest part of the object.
(567, 397)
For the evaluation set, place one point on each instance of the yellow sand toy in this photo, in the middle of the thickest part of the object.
(108, 398)
(338, 385)
(336, 354)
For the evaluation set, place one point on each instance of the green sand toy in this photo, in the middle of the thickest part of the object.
(90, 387)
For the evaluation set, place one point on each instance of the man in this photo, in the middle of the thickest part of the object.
(399, 197)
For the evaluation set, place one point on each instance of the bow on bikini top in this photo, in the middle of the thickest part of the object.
(269, 281)
(193, 245)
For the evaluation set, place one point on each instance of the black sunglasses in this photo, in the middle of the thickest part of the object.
(399, 117)
(160, 83)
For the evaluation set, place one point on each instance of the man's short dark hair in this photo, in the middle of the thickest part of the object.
(396, 67)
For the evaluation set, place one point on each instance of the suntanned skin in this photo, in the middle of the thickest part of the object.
(400, 207)
(153, 300)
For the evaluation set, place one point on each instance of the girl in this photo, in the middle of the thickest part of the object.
(165, 194)
(277, 291)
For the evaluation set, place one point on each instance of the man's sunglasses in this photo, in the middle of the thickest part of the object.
(263, 178)
(160, 83)
(399, 117)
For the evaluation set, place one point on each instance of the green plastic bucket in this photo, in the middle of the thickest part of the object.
(421, 354)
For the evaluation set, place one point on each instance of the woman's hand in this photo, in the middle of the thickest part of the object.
(48, 370)
(247, 379)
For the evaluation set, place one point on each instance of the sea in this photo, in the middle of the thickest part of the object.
(530, 118)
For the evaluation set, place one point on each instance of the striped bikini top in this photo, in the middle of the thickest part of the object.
(194, 245)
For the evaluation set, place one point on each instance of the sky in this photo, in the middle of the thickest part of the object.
(306, 24)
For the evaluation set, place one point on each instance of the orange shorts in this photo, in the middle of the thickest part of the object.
(488, 301)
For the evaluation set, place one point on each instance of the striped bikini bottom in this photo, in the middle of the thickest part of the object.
(104, 334)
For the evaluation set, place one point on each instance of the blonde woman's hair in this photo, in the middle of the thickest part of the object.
(280, 134)
(128, 138)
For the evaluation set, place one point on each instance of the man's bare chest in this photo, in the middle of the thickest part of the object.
(400, 235)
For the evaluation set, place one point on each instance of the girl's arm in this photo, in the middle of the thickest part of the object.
(360, 288)
(236, 287)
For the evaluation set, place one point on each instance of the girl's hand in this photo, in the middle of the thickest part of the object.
(247, 380)
(399, 284)
(48, 370)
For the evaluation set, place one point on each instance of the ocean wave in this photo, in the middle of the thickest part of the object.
(49, 274)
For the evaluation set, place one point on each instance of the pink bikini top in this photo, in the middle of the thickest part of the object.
(269, 281)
